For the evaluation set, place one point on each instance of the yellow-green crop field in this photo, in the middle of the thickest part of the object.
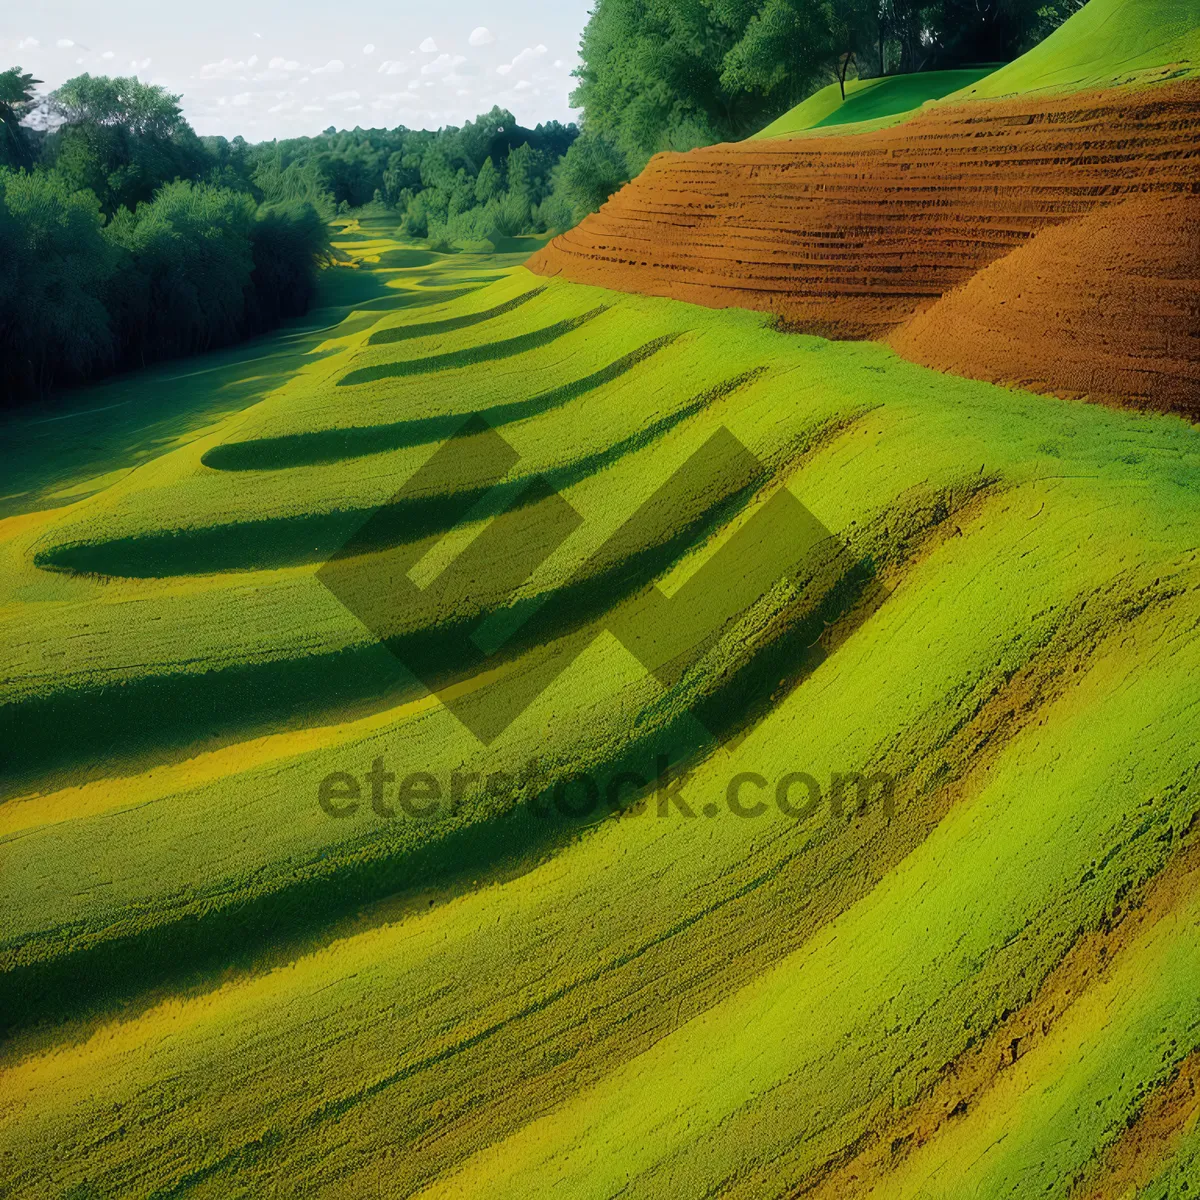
(212, 986)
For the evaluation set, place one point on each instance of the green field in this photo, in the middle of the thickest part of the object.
(213, 987)
(886, 878)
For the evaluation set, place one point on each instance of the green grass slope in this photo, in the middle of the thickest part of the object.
(1106, 44)
(871, 102)
(211, 986)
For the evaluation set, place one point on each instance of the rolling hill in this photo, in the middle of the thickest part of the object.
(882, 880)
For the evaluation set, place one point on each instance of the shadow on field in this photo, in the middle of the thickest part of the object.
(86, 433)
(334, 445)
(314, 537)
(404, 333)
(246, 934)
(471, 355)
(154, 713)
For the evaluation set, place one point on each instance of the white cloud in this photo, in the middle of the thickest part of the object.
(442, 64)
(429, 46)
(389, 100)
(523, 85)
(258, 35)
(312, 108)
(529, 55)
(482, 36)
(108, 54)
(369, 48)
(341, 97)
(283, 64)
(227, 68)
(29, 43)
(392, 67)
(252, 61)
(416, 83)
(332, 67)
(241, 99)
(64, 43)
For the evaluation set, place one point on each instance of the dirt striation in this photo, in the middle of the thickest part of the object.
(1106, 307)
(852, 236)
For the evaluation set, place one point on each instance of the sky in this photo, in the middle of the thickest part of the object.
(268, 70)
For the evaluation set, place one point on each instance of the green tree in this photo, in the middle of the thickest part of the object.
(783, 54)
(487, 182)
(56, 269)
(672, 74)
(17, 97)
(591, 171)
(122, 139)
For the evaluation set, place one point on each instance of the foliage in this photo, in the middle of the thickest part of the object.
(17, 97)
(122, 139)
(590, 172)
(456, 184)
(56, 270)
(197, 267)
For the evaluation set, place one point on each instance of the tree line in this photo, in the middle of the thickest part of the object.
(125, 237)
(123, 241)
(486, 180)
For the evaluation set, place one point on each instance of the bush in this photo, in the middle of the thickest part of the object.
(192, 255)
(290, 244)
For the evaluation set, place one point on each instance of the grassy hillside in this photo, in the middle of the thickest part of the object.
(212, 986)
(871, 103)
(1106, 44)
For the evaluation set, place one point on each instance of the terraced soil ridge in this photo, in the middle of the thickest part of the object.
(849, 237)
(1107, 306)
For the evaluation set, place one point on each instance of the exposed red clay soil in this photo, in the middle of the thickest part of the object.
(1106, 306)
(851, 236)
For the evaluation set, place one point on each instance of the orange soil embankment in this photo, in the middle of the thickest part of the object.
(1107, 306)
(851, 236)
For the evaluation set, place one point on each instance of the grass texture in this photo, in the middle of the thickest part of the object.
(871, 103)
(1107, 43)
(212, 987)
